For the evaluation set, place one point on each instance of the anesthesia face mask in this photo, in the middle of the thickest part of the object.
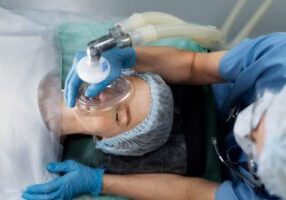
(117, 94)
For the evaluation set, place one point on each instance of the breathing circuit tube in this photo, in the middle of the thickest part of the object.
(142, 19)
(138, 30)
(205, 36)
(150, 26)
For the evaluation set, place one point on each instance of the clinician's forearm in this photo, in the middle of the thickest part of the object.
(179, 66)
(205, 68)
(159, 186)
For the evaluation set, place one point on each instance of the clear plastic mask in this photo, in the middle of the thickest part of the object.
(120, 92)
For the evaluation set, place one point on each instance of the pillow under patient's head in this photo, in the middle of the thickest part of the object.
(153, 131)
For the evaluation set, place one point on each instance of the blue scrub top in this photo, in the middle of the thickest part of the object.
(250, 68)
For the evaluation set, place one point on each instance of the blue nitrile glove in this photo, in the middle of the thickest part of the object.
(117, 58)
(77, 179)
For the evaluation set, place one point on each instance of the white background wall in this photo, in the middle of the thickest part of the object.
(213, 12)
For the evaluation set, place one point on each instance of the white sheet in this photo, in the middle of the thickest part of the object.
(12, 23)
(26, 144)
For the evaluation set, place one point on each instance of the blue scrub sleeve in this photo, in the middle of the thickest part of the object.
(235, 191)
(250, 68)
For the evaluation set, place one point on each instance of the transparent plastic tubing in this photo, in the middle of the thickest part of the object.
(142, 19)
(207, 36)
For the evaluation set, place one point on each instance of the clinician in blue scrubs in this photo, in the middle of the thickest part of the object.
(249, 69)
(239, 76)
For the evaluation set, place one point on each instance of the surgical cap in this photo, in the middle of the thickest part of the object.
(153, 131)
(271, 168)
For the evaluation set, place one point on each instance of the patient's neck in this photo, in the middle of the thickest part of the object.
(70, 122)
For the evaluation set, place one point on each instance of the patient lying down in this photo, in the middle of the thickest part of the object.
(141, 126)
(138, 127)
(32, 111)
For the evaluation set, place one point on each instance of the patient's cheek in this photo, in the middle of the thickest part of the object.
(103, 125)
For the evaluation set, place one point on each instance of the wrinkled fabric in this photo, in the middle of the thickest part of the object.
(27, 145)
(249, 69)
(14, 24)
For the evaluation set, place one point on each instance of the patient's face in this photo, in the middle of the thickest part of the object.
(127, 116)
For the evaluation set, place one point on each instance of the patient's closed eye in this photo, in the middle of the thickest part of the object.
(122, 117)
(117, 117)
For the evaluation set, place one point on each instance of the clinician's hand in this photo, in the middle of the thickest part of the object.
(77, 179)
(117, 58)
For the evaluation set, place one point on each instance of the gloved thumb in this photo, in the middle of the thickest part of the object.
(78, 56)
(95, 89)
(62, 167)
(125, 56)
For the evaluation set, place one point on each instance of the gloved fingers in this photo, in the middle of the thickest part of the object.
(62, 167)
(126, 56)
(78, 56)
(95, 89)
(44, 188)
(28, 196)
(44, 196)
(72, 89)
(72, 76)
(129, 57)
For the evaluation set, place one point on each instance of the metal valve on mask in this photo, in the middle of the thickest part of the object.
(93, 69)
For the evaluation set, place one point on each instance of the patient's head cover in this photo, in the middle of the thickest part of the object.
(153, 131)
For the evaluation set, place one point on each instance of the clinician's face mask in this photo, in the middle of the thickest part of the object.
(247, 122)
